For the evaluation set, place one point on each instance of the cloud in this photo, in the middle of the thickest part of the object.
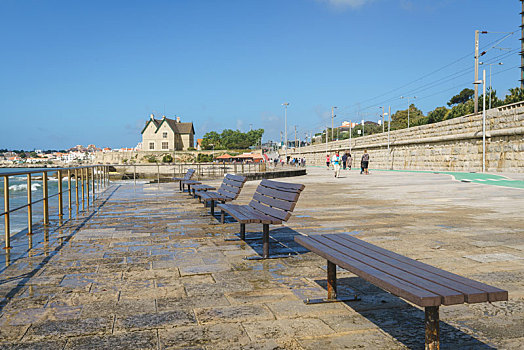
(346, 3)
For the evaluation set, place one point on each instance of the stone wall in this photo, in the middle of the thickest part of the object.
(454, 145)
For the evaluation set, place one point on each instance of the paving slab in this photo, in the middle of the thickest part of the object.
(147, 267)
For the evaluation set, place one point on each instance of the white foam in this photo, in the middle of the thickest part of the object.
(23, 187)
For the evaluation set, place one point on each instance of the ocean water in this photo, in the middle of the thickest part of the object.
(18, 197)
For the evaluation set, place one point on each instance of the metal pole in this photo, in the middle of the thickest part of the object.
(285, 104)
(60, 201)
(82, 187)
(331, 280)
(383, 126)
(432, 332)
(29, 206)
(522, 47)
(6, 216)
(389, 128)
(92, 170)
(483, 120)
(46, 200)
(69, 191)
(134, 174)
(490, 86)
(76, 188)
(332, 116)
(476, 110)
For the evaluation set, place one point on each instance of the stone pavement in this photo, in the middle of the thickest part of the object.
(149, 269)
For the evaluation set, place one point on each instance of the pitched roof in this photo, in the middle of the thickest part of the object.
(179, 128)
(224, 156)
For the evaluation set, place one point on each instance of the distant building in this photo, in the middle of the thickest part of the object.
(167, 135)
(199, 144)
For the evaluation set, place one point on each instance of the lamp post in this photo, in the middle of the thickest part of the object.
(483, 82)
(332, 116)
(490, 88)
(382, 118)
(285, 104)
(408, 98)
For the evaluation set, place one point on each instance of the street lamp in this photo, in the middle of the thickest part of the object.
(332, 116)
(483, 82)
(408, 98)
(490, 64)
(285, 104)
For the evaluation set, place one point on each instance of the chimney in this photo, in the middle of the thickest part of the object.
(163, 117)
(178, 119)
(152, 116)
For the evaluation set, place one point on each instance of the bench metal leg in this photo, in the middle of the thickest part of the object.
(180, 185)
(331, 280)
(331, 288)
(242, 231)
(431, 320)
(222, 216)
(212, 208)
(265, 241)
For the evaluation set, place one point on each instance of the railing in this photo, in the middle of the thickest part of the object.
(89, 181)
(202, 170)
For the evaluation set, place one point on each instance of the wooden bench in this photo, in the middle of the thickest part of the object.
(189, 183)
(189, 174)
(272, 203)
(228, 191)
(414, 281)
(201, 188)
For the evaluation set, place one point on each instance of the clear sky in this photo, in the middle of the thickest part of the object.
(81, 72)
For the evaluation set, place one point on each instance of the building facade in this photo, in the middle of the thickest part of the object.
(167, 135)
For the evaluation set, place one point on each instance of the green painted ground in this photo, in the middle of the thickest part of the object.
(486, 179)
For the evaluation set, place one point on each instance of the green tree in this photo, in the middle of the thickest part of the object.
(437, 115)
(464, 96)
(399, 119)
(515, 95)
(460, 110)
(204, 158)
(211, 138)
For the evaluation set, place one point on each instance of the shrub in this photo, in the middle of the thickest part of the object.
(167, 158)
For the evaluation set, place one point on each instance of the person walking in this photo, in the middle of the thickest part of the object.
(349, 161)
(327, 161)
(365, 163)
(344, 160)
(336, 163)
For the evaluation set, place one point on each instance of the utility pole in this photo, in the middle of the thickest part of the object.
(281, 139)
(389, 127)
(483, 121)
(404, 97)
(476, 110)
(332, 116)
(522, 47)
(350, 130)
(295, 136)
(285, 104)
(326, 139)
(362, 127)
(383, 126)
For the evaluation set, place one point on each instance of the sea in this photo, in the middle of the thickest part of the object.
(18, 197)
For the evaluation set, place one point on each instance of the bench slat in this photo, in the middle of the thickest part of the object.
(276, 213)
(282, 186)
(471, 295)
(283, 195)
(383, 280)
(232, 210)
(232, 183)
(236, 178)
(234, 190)
(449, 296)
(494, 294)
(275, 203)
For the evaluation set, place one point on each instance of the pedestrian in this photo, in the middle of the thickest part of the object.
(327, 161)
(350, 160)
(336, 163)
(365, 163)
(344, 160)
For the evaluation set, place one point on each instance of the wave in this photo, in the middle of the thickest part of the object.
(23, 187)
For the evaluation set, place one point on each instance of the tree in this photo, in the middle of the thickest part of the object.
(437, 115)
(399, 119)
(464, 96)
(211, 138)
(515, 95)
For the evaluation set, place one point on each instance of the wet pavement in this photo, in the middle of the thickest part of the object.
(148, 268)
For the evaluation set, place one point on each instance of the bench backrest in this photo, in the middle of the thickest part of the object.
(231, 186)
(276, 199)
(189, 174)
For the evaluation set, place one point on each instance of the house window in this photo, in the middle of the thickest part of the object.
(165, 145)
(164, 135)
(151, 145)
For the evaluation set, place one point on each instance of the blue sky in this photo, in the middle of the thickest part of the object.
(81, 72)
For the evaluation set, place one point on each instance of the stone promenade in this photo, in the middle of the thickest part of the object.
(149, 269)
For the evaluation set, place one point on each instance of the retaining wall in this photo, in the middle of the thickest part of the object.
(453, 145)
